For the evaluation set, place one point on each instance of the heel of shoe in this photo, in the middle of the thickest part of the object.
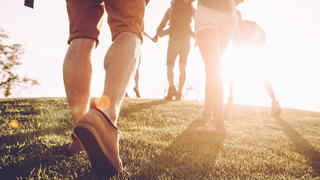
(99, 162)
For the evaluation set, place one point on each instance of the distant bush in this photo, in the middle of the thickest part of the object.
(10, 55)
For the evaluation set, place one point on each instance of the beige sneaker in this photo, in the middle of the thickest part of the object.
(100, 138)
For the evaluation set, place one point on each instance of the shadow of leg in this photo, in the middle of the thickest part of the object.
(302, 145)
(190, 153)
(44, 158)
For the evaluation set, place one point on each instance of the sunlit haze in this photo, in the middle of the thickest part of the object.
(290, 59)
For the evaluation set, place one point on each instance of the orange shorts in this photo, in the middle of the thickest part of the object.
(123, 16)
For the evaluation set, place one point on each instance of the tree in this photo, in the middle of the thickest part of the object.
(10, 55)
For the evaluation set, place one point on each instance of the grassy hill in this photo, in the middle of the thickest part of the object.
(160, 141)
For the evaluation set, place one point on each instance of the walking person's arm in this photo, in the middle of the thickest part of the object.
(162, 25)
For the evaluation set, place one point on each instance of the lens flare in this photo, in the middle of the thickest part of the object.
(75, 109)
(14, 124)
(103, 102)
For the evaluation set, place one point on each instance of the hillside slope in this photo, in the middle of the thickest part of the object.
(160, 141)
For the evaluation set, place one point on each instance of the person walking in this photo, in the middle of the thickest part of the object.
(251, 37)
(215, 24)
(178, 17)
(95, 130)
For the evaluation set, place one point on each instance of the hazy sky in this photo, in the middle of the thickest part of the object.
(292, 50)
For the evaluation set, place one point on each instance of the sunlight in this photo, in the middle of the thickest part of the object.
(247, 67)
(14, 124)
(244, 64)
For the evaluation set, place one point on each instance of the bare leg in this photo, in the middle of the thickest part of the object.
(231, 89)
(275, 107)
(170, 75)
(182, 67)
(269, 89)
(172, 89)
(182, 78)
(208, 41)
(120, 65)
(171, 56)
(136, 79)
(77, 76)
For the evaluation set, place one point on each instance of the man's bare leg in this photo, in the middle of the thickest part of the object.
(120, 64)
(275, 107)
(170, 75)
(182, 79)
(136, 79)
(77, 76)
(209, 45)
(269, 89)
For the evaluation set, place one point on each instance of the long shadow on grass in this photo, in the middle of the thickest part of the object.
(302, 145)
(35, 156)
(191, 155)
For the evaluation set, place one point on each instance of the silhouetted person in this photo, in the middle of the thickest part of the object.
(95, 130)
(215, 25)
(251, 35)
(178, 17)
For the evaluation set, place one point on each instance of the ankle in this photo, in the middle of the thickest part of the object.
(76, 117)
(111, 113)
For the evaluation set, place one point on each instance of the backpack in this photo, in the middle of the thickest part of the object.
(249, 34)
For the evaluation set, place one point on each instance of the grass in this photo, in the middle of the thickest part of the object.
(159, 141)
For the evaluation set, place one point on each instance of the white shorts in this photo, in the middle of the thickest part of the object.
(224, 22)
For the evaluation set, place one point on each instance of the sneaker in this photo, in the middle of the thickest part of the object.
(136, 90)
(100, 138)
(171, 93)
(275, 109)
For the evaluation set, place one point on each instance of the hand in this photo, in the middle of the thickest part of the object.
(155, 39)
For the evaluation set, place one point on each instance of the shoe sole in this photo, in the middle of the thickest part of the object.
(101, 161)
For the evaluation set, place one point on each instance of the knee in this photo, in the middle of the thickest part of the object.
(81, 48)
(127, 38)
(169, 68)
(182, 67)
(82, 44)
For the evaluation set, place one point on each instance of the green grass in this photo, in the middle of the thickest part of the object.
(159, 141)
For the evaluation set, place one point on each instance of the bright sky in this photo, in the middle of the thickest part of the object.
(292, 52)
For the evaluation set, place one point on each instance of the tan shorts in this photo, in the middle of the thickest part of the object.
(224, 21)
(177, 47)
(123, 16)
